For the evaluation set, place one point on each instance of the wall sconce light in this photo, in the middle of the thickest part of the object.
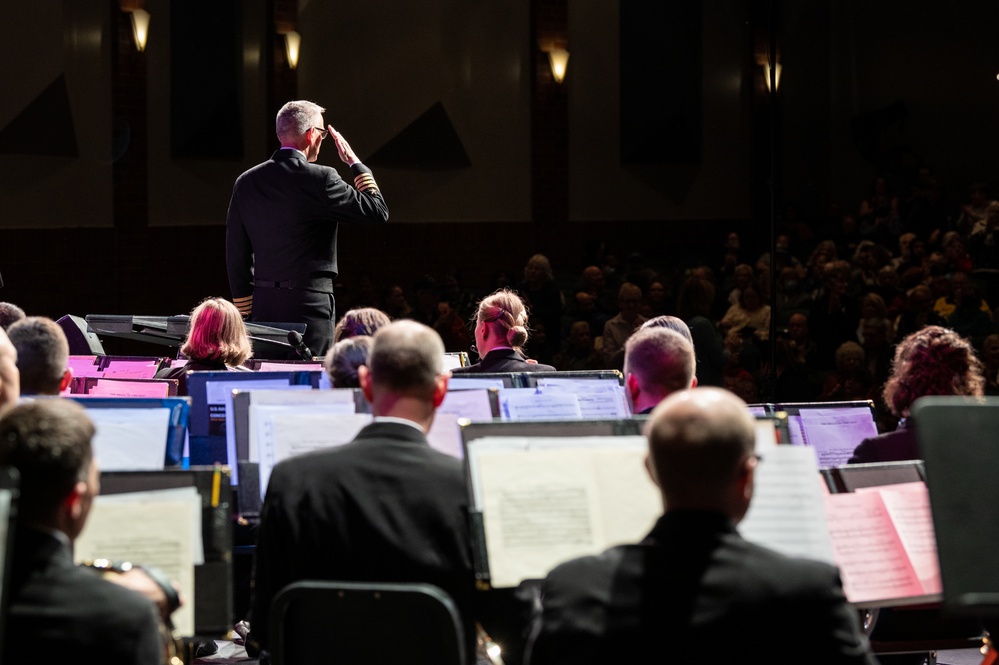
(140, 28)
(559, 59)
(772, 85)
(292, 42)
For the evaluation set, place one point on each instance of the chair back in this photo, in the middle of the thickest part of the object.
(365, 624)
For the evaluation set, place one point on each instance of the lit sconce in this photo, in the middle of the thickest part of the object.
(292, 42)
(772, 85)
(140, 28)
(559, 59)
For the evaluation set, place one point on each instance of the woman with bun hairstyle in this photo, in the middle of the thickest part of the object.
(500, 334)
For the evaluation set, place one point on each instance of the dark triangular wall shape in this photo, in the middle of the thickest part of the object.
(44, 127)
(429, 143)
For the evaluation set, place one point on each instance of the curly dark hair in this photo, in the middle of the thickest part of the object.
(932, 361)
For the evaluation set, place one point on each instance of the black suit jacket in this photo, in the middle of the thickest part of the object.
(60, 613)
(282, 221)
(897, 446)
(384, 508)
(503, 360)
(695, 592)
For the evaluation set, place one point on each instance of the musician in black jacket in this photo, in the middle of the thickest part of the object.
(500, 334)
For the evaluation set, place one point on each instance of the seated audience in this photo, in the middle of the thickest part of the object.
(618, 329)
(500, 334)
(932, 361)
(384, 508)
(693, 591)
(579, 352)
(42, 355)
(343, 360)
(749, 313)
(657, 362)
(693, 306)
(851, 380)
(990, 364)
(216, 341)
(359, 321)
(58, 612)
(10, 314)
(543, 297)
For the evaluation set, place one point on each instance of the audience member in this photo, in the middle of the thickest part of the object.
(579, 352)
(42, 355)
(834, 316)
(658, 361)
(917, 313)
(394, 303)
(500, 334)
(343, 360)
(10, 314)
(693, 306)
(694, 588)
(618, 329)
(931, 361)
(990, 362)
(216, 341)
(59, 612)
(749, 314)
(362, 321)
(542, 296)
(851, 380)
(384, 508)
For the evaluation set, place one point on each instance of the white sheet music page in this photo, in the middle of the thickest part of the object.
(286, 432)
(547, 500)
(533, 404)
(130, 439)
(339, 400)
(787, 512)
(150, 529)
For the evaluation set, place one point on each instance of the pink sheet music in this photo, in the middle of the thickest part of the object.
(83, 365)
(105, 388)
(868, 550)
(132, 369)
(289, 367)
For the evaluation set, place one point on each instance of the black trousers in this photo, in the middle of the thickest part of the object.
(316, 309)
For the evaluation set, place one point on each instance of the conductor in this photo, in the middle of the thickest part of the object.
(281, 227)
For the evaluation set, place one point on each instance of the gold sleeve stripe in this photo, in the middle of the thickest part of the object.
(364, 182)
(243, 299)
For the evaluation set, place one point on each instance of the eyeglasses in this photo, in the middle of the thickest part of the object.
(323, 133)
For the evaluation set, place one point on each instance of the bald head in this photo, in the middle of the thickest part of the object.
(10, 384)
(701, 444)
(657, 361)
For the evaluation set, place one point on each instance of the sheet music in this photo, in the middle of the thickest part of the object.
(787, 512)
(131, 369)
(289, 367)
(868, 550)
(532, 404)
(598, 400)
(218, 396)
(131, 439)
(122, 529)
(562, 498)
(116, 388)
(445, 434)
(836, 433)
(908, 505)
(465, 382)
(451, 361)
(334, 400)
(289, 432)
(83, 366)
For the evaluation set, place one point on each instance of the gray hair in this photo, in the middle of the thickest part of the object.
(406, 357)
(344, 358)
(295, 118)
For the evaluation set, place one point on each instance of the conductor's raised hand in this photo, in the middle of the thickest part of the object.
(342, 147)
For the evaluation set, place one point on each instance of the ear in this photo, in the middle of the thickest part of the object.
(632, 385)
(73, 503)
(440, 388)
(651, 468)
(67, 376)
(364, 379)
(747, 477)
(693, 382)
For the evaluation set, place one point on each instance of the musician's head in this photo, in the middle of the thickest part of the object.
(42, 355)
(217, 334)
(932, 361)
(501, 321)
(10, 380)
(10, 314)
(404, 374)
(360, 321)
(345, 358)
(673, 323)
(49, 443)
(657, 362)
(701, 451)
